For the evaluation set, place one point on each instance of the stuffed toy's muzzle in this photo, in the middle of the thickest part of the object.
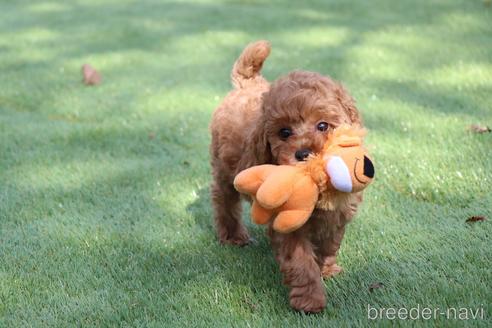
(349, 168)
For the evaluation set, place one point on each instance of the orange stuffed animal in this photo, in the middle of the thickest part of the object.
(290, 193)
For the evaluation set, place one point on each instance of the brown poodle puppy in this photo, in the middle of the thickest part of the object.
(282, 123)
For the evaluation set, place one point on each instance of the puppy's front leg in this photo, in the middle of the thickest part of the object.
(227, 214)
(327, 247)
(328, 251)
(300, 271)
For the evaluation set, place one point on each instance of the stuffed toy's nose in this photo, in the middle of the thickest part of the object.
(368, 168)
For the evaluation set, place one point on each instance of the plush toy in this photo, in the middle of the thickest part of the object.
(289, 194)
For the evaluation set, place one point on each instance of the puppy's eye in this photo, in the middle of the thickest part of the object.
(322, 126)
(284, 133)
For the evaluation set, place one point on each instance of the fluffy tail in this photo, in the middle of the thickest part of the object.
(247, 67)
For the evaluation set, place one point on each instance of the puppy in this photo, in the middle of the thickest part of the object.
(280, 123)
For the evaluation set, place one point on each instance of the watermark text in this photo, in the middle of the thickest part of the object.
(420, 312)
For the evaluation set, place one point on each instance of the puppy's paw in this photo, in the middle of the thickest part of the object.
(240, 238)
(307, 300)
(328, 271)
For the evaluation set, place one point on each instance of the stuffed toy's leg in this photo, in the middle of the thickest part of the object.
(259, 214)
(288, 221)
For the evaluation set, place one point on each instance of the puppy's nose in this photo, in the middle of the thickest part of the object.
(302, 154)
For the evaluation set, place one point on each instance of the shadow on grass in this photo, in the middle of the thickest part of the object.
(433, 99)
(162, 28)
(133, 254)
(201, 211)
(116, 257)
(112, 275)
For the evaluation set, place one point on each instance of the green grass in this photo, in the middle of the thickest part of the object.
(102, 225)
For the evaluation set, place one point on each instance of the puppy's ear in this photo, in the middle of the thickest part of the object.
(257, 150)
(348, 104)
(260, 145)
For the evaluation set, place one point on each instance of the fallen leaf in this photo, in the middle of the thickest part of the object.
(477, 128)
(375, 285)
(251, 305)
(91, 76)
(475, 219)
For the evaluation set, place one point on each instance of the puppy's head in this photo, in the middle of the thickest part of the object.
(299, 110)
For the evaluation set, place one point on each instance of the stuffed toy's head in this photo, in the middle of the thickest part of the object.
(289, 194)
(346, 161)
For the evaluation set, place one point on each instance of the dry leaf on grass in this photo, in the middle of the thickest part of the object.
(91, 76)
(477, 128)
(475, 219)
(251, 305)
(375, 285)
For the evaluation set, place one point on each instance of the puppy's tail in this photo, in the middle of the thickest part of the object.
(247, 67)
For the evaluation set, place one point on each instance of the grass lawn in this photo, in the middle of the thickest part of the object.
(105, 217)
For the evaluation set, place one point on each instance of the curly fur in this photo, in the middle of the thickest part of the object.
(245, 132)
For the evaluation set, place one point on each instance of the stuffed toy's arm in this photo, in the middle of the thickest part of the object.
(248, 181)
(272, 181)
(278, 187)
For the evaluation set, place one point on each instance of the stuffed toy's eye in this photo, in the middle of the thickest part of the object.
(322, 126)
(284, 133)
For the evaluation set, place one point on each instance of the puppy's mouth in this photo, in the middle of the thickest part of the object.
(286, 160)
(290, 159)
(291, 163)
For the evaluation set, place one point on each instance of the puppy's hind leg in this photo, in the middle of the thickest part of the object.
(227, 214)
